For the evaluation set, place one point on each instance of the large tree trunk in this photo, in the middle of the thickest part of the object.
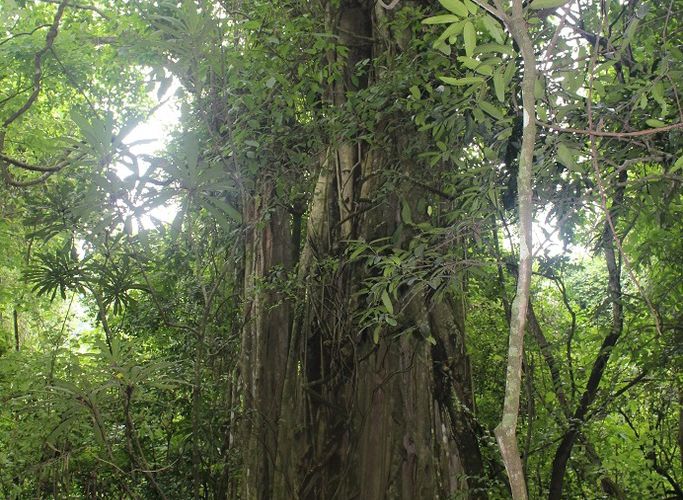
(265, 337)
(330, 413)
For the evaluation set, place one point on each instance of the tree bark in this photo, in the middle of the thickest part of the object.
(564, 450)
(506, 431)
(329, 412)
(15, 321)
(265, 337)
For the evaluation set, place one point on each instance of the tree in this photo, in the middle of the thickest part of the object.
(322, 318)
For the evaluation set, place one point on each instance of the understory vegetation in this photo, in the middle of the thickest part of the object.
(406, 250)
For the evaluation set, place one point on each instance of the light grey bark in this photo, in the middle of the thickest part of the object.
(506, 431)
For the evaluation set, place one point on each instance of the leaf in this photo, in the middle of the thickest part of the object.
(444, 48)
(406, 215)
(547, 4)
(499, 85)
(442, 19)
(415, 92)
(468, 80)
(678, 165)
(66, 386)
(226, 208)
(468, 62)
(191, 151)
(455, 6)
(495, 47)
(375, 334)
(509, 72)
(386, 300)
(655, 123)
(491, 110)
(90, 132)
(472, 7)
(484, 69)
(566, 156)
(453, 29)
(470, 38)
(493, 28)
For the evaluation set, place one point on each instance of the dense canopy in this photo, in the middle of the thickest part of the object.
(338, 249)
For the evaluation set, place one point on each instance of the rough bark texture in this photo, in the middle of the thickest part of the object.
(265, 338)
(331, 413)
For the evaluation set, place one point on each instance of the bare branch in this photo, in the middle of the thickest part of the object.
(618, 135)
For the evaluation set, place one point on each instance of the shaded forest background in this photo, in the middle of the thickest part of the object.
(307, 291)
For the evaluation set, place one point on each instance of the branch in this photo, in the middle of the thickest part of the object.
(619, 135)
(37, 63)
(32, 168)
(98, 11)
(27, 33)
(496, 12)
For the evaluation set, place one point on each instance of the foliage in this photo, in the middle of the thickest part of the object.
(123, 339)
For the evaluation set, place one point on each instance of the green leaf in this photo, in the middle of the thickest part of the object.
(455, 6)
(655, 123)
(472, 7)
(470, 38)
(678, 165)
(191, 151)
(442, 19)
(493, 28)
(495, 47)
(222, 205)
(406, 215)
(415, 92)
(491, 110)
(468, 80)
(547, 4)
(444, 48)
(386, 300)
(509, 72)
(566, 155)
(452, 30)
(499, 85)
(92, 135)
(468, 62)
(484, 69)
(375, 334)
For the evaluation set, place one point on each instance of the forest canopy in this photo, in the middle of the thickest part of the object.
(337, 249)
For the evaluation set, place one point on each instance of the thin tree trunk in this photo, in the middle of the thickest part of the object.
(196, 417)
(609, 486)
(564, 450)
(15, 319)
(506, 431)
